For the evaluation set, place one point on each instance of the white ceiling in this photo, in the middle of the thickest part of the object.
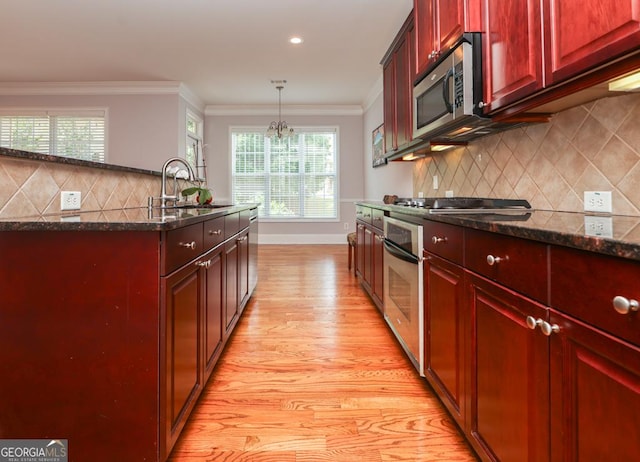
(226, 51)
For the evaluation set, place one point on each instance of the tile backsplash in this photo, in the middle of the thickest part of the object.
(593, 147)
(32, 187)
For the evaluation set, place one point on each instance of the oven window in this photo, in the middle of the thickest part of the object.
(430, 105)
(400, 236)
(400, 293)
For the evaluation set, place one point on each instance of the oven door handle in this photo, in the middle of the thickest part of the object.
(398, 252)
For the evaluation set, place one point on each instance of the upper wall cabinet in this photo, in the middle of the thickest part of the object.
(582, 43)
(512, 49)
(582, 35)
(439, 24)
(398, 71)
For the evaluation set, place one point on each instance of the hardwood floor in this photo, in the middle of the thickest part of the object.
(312, 373)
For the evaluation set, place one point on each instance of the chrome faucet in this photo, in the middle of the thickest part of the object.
(164, 198)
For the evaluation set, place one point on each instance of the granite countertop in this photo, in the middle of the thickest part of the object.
(618, 235)
(133, 219)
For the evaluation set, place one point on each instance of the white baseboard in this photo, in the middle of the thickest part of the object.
(302, 238)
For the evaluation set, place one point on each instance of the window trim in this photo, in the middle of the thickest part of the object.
(198, 138)
(298, 128)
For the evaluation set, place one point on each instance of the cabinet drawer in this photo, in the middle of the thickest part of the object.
(245, 218)
(444, 240)
(377, 218)
(213, 232)
(516, 263)
(182, 245)
(231, 224)
(363, 214)
(584, 285)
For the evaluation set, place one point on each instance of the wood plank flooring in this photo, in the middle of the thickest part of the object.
(312, 373)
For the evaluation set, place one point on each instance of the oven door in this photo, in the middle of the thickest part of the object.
(403, 301)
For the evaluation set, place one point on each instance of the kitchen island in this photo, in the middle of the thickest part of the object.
(111, 322)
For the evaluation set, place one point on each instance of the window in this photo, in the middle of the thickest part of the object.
(76, 134)
(291, 178)
(193, 152)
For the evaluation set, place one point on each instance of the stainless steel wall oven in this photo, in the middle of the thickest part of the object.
(403, 293)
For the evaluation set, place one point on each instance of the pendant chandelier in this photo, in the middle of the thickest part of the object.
(280, 128)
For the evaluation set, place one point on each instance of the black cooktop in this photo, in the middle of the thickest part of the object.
(463, 203)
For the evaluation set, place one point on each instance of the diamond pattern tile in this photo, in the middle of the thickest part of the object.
(591, 147)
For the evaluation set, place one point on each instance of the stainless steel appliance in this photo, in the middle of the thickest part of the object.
(476, 205)
(447, 102)
(403, 293)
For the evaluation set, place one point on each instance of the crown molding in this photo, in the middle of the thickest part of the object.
(190, 97)
(292, 110)
(91, 88)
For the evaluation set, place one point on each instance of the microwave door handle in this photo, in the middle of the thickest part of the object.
(446, 90)
(399, 253)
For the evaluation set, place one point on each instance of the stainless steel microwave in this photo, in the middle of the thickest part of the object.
(446, 102)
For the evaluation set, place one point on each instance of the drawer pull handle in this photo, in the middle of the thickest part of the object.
(240, 239)
(204, 264)
(491, 260)
(189, 245)
(623, 305)
(548, 329)
(532, 322)
(438, 240)
(379, 238)
(217, 232)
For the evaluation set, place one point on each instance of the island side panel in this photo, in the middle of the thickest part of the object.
(79, 335)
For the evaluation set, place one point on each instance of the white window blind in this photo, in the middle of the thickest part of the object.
(291, 178)
(59, 134)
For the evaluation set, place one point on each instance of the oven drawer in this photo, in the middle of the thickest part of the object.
(575, 291)
(444, 240)
(518, 264)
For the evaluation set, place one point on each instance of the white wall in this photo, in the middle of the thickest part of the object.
(351, 186)
(393, 178)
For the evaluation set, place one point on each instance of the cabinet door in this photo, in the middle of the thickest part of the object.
(361, 249)
(512, 48)
(368, 254)
(389, 97)
(510, 375)
(377, 270)
(424, 13)
(213, 308)
(450, 23)
(231, 284)
(595, 394)
(183, 377)
(243, 269)
(404, 90)
(445, 330)
(585, 34)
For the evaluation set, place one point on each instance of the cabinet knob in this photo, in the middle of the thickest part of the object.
(623, 305)
(548, 329)
(532, 322)
(379, 238)
(492, 260)
(189, 245)
(482, 104)
(240, 239)
(438, 240)
(204, 264)
(217, 232)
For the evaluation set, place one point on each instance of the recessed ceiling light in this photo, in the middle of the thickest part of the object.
(296, 40)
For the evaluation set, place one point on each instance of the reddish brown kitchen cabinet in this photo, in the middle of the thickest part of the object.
(512, 49)
(509, 377)
(231, 258)
(398, 72)
(583, 35)
(369, 229)
(182, 373)
(446, 333)
(595, 393)
(439, 24)
(213, 305)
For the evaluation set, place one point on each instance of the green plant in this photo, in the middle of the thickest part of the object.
(204, 195)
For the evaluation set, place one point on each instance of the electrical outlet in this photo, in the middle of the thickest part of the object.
(435, 182)
(420, 194)
(346, 225)
(597, 201)
(598, 226)
(448, 193)
(70, 200)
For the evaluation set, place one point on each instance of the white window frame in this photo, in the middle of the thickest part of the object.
(52, 114)
(301, 129)
(191, 139)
